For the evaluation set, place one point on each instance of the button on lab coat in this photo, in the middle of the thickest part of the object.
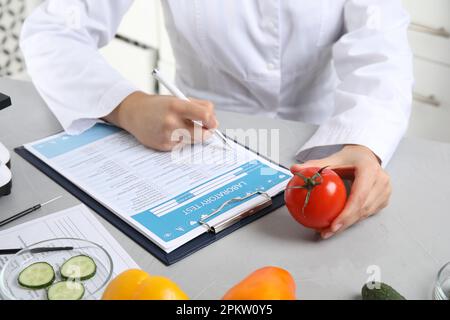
(344, 65)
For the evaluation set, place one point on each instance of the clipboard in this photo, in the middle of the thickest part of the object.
(214, 233)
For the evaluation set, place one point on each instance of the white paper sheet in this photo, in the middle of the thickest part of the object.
(77, 222)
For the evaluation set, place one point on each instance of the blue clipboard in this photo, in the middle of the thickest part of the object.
(166, 258)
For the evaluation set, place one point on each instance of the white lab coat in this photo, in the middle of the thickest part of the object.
(342, 64)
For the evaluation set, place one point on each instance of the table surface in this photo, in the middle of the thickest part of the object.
(409, 241)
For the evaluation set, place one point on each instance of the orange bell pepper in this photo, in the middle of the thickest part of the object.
(269, 283)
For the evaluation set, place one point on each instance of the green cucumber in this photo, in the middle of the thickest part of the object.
(37, 276)
(78, 268)
(380, 291)
(66, 290)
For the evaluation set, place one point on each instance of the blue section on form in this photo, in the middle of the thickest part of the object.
(176, 223)
(65, 143)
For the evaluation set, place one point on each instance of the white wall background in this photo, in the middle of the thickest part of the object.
(430, 40)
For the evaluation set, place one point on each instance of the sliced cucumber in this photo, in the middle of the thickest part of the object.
(79, 267)
(37, 276)
(66, 290)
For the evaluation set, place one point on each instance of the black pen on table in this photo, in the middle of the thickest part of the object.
(7, 252)
(27, 211)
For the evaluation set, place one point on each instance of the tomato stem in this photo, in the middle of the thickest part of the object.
(309, 185)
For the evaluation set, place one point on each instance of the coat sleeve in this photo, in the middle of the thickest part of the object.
(373, 62)
(60, 42)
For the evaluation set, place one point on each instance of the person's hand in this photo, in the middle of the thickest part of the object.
(370, 191)
(163, 122)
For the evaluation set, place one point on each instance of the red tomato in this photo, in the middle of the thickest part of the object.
(315, 197)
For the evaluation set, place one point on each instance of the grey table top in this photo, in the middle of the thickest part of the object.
(409, 241)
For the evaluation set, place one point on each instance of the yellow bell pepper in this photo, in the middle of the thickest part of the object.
(139, 285)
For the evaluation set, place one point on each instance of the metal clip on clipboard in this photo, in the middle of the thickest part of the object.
(266, 202)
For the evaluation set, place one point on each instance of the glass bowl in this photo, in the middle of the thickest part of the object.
(442, 285)
(11, 290)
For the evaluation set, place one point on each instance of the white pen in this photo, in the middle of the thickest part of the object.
(180, 95)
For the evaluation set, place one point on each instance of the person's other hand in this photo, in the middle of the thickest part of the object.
(163, 122)
(370, 191)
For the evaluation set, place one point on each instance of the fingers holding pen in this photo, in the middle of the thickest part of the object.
(163, 122)
(189, 115)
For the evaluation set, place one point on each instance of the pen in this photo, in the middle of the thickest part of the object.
(35, 250)
(180, 95)
(27, 211)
